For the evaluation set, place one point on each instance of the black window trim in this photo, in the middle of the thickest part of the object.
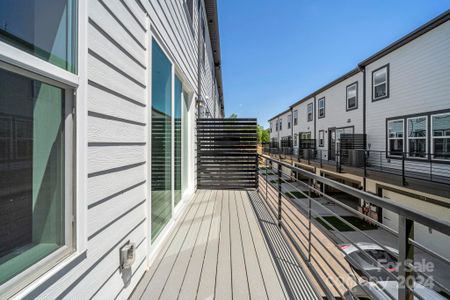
(318, 108)
(346, 96)
(428, 114)
(322, 144)
(312, 112)
(388, 84)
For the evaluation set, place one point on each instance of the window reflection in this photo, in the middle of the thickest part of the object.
(44, 28)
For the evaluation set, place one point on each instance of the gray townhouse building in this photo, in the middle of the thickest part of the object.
(395, 107)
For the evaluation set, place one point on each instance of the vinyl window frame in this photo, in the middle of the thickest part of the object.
(388, 138)
(387, 82)
(19, 282)
(289, 121)
(319, 109)
(309, 112)
(295, 114)
(432, 137)
(426, 137)
(347, 108)
(12, 58)
(321, 138)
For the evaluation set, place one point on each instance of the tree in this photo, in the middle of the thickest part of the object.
(263, 134)
(233, 116)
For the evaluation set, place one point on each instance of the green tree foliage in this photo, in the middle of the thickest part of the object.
(263, 134)
(233, 116)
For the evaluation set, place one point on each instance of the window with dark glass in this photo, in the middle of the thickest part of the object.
(380, 83)
(281, 124)
(417, 137)
(321, 138)
(289, 121)
(352, 96)
(295, 117)
(321, 105)
(309, 112)
(46, 29)
(35, 151)
(395, 137)
(440, 140)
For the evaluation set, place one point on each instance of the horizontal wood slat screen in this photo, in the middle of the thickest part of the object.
(227, 154)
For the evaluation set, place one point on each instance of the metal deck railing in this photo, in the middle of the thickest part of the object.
(303, 210)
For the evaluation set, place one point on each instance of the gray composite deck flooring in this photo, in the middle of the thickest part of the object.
(217, 251)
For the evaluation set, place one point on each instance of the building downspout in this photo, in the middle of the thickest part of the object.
(364, 128)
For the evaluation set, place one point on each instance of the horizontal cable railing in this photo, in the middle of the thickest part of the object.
(321, 226)
(405, 165)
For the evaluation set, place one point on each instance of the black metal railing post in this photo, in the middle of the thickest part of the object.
(403, 169)
(309, 219)
(431, 166)
(406, 257)
(279, 195)
(267, 172)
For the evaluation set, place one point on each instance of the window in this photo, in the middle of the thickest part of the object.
(296, 140)
(289, 121)
(281, 124)
(321, 138)
(417, 136)
(276, 125)
(47, 31)
(295, 117)
(395, 137)
(161, 163)
(190, 9)
(309, 112)
(380, 83)
(321, 108)
(352, 96)
(440, 140)
(36, 143)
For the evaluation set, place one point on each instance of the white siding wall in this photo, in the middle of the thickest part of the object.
(303, 125)
(285, 131)
(336, 114)
(419, 75)
(118, 107)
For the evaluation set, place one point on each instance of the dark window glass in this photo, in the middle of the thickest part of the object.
(417, 134)
(396, 146)
(441, 136)
(44, 28)
(32, 145)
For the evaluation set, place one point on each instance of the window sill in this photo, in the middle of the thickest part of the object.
(60, 268)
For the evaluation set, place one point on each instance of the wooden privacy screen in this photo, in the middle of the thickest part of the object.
(227, 154)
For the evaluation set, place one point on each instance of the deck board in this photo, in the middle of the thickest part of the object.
(217, 251)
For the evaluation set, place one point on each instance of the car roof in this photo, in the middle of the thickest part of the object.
(349, 248)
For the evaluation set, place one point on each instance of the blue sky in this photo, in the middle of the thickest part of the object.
(276, 52)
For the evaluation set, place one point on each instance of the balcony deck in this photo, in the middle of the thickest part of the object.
(220, 250)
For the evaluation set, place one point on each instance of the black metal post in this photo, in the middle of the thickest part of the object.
(406, 256)
(403, 169)
(309, 219)
(267, 181)
(279, 195)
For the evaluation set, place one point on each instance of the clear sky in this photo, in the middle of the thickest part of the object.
(275, 52)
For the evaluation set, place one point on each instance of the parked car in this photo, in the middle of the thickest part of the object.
(365, 267)
(369, 290)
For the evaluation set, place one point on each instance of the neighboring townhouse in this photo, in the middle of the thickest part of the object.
(98, 102)
(398, 102)
(281, 129)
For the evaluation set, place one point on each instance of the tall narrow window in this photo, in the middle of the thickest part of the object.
(35, 181)
(321, 138)
(321, 105)
(380, 83)
(417, 137)
(178, 104)
(161, 184)
(281, 124)
(276, 125)
(46, 29)
(352, 96)
(396, 135)
(295, 117)
(295, 140)
(440, 140)
(309, 112)
(289, 121)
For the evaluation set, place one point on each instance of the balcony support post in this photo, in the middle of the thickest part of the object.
(279, 195)
(403, 169)
(406, 257)
(309, 219)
